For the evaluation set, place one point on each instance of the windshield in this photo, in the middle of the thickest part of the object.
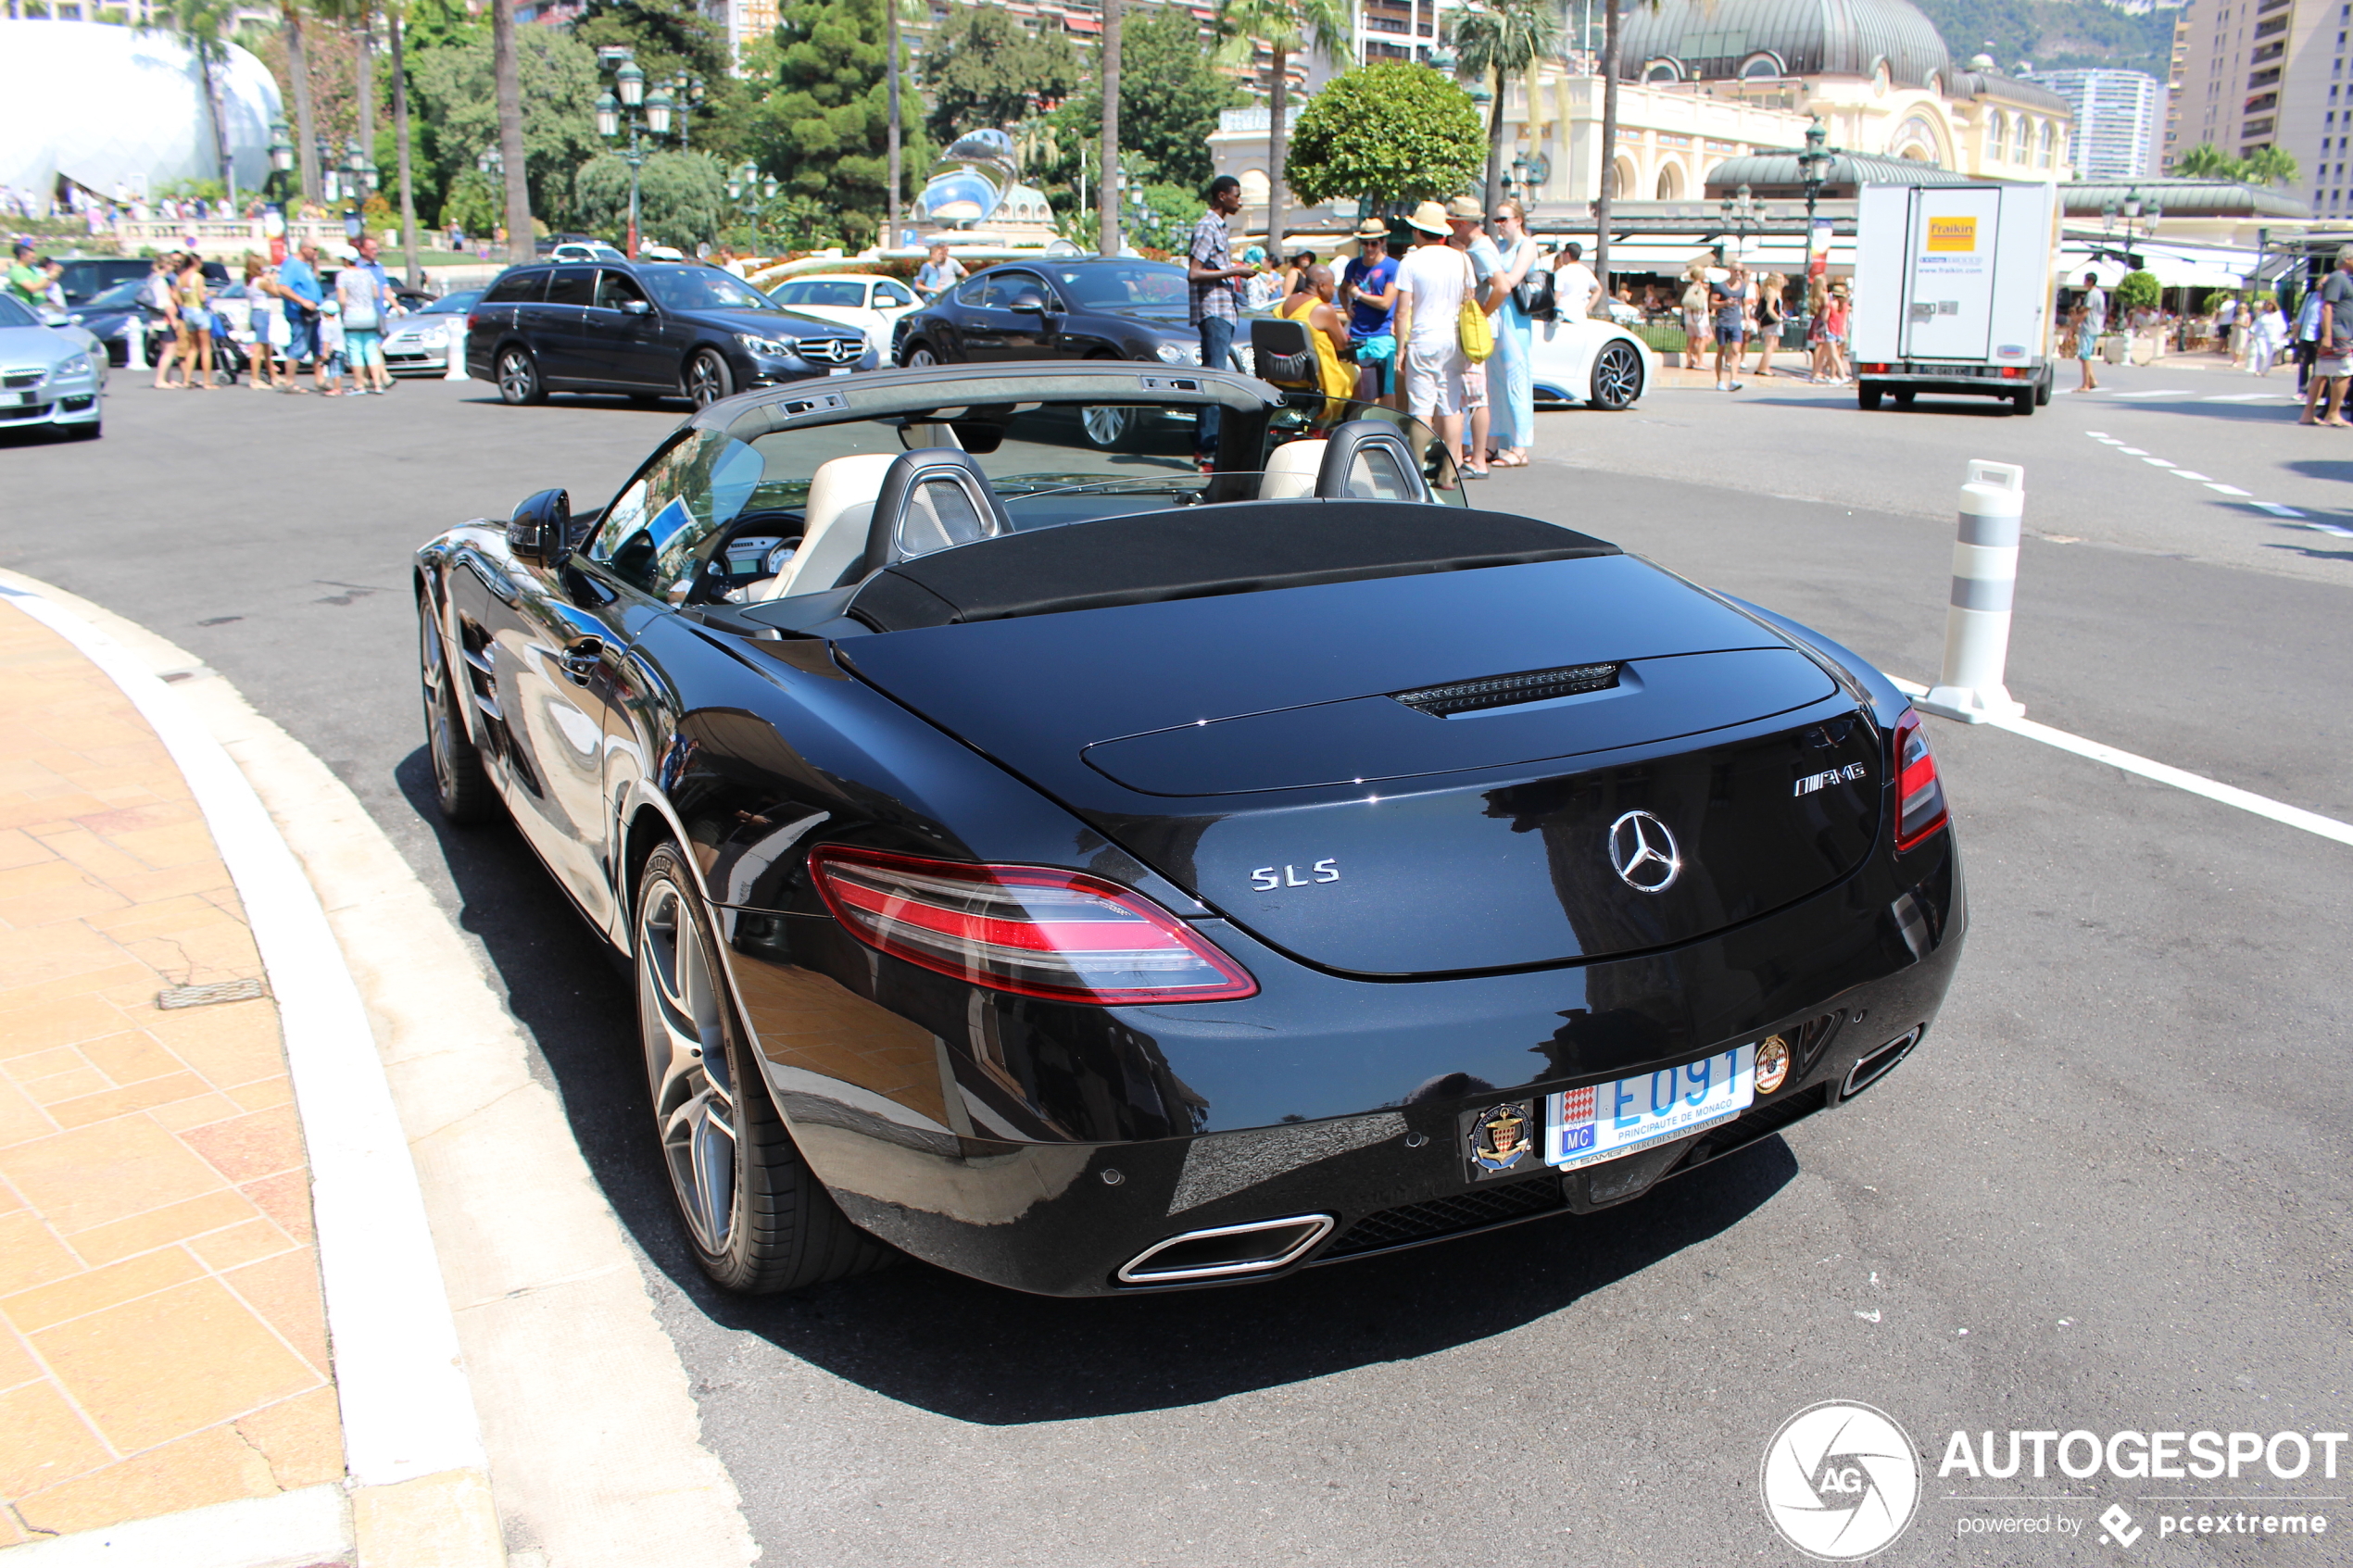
(14, 315)
(451, 303)
(701, 288)
(1124, 286)
(122, 297)
(715, 518)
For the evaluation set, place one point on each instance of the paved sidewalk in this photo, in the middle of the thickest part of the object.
(164, 1345)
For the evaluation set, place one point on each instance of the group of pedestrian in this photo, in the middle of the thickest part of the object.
(2332, 305)
(1725, 311)
(296, 322)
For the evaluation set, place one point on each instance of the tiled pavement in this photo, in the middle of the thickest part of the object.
(162, 1342)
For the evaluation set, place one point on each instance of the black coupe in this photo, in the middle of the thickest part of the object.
(649, 330)
(1093, 874)
(1068, 307)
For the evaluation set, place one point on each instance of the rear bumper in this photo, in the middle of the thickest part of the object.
(1992, 381)
(931, 1109)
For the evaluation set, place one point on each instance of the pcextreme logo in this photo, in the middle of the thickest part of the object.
(1952, 234)
(1840, 1481)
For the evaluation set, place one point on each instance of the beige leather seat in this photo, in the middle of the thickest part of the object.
(1290, 471)
(840, 514)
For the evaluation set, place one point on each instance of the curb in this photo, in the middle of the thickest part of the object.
(593, 1441)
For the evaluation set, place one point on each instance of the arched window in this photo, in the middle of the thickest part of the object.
(1994, 127)
(1762, 66)
(1621, 177)
(1661, 71)
(2048, 145)
(1256, 187)
(1671, 183)
(2020, 139)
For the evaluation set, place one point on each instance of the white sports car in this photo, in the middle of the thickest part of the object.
(50, 374)
(864, 300)
(1594, 363)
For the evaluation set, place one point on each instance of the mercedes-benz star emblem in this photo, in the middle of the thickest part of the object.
(1644, 853)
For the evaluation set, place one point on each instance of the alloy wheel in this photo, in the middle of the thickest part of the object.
(920, 359)
(518, 377)
(706, 380)
(1105, 426)
(1618, 377)
(678, 1003)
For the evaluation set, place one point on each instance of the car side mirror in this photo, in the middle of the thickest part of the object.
(540, 531)
(1029, 306)
(635, 308)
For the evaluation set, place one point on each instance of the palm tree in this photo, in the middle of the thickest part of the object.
(2271, 164)
(1107, 185)
(2206, 161)
(502, 65)
(1287, 28)
(400, 141)
(1612, 13)
(204, 25)
(1494, 42)
(306, 123)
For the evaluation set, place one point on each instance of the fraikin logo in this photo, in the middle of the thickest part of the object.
(1840, 1481)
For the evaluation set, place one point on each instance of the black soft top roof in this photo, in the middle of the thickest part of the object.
(1240, 547)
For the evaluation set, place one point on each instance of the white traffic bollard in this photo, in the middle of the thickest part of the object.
(1977, 625)
(135, 342)
(456, 368)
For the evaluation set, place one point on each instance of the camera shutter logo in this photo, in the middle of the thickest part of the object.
(1840, 1481)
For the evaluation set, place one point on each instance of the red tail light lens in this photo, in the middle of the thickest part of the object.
(473, 324)
(1026, 929)
(1919, 797)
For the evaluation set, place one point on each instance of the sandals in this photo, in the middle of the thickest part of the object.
(1508, 460)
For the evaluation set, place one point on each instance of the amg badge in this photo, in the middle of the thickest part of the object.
(1498, 1137)
(1848, 774)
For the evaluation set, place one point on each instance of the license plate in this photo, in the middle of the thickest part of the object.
(14, 399)
(841, 370)
(1587, 1126)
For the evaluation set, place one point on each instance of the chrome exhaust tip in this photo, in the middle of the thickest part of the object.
(1226, 1251)
(1873, 1065)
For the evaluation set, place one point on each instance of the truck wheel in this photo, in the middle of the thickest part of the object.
(2043, 393)
(1867, 397)
(2023, 402)
(1904, 399)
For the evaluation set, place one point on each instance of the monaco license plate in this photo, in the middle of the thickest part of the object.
(1606, 1120)
(15, 399)
(841, 370)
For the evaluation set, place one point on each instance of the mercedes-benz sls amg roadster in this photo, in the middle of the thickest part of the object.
(1097, 872)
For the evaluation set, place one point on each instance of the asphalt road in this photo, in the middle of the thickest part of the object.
(2110, 1193)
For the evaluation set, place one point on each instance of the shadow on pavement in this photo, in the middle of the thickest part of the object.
(940, 1341)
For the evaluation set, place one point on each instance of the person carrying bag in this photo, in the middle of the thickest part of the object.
(1470, 322)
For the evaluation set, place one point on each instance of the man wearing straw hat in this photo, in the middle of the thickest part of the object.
(1431, 284)
(1368, 291)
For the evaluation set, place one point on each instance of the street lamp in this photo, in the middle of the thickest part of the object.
(686, 92)
(1815, 164)
(631, 80)
(281, 162)
(1740, 210)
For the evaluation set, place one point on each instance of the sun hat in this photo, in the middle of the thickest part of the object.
(1372, 229)
(1431, 218)
(1465, 207)
(1254, 254)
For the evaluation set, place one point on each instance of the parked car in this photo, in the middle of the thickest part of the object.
(591, 250)
(1095, 875)
(54, 376)
(420, 341)
(85, 277)
(1077, 308)
(1599, 364)
(651, 330)
(871, 303)
(108, 319)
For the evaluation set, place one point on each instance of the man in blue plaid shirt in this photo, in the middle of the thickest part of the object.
(1214, 301)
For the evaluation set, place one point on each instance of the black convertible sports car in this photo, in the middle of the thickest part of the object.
(1094, 874)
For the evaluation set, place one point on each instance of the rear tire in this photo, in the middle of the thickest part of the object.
(1868, 398)
(519, 381)
(1618, 377)
(2022, 402)
(920, 356)
(755, 1215)
(2043, 393)
(1904, 399)
(461, 784)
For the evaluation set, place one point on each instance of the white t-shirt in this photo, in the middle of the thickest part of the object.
(1574, 286)
(1435, 278)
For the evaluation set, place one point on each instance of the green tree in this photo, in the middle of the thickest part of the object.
(557, 83)
(1169, 96)
(823, 127)
(2137, 291)
(682, 198)
(473, 203)
(1286, 28)
(205, 24)
(1494, 42)
(985, 70)
(2206, 161)
(1389, 132)
(2272, 165)
(665, 36)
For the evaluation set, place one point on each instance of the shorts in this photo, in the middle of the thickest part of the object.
(1732, 333)
(2330, 366)
(1434, 378)
(363, 348)
(1379, 356)
(302, 337)
(2087, 346)
(1474, 385)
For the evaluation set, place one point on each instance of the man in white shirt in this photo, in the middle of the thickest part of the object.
(937, 275)
(1431, 283)
(1574, 284)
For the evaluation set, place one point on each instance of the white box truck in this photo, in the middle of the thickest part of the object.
(1953, 292)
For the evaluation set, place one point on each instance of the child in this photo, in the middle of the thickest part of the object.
(330, 349)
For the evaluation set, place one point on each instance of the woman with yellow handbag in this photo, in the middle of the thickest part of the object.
(1437, 302)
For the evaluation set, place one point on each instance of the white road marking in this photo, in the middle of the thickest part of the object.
(2157, 462)
(2332, 528)
(2191, 473)
(2164, 774)
(2278, 510)
(2169, 392)
(2252, 397)
(2134, 451)
(2213, 484)
(2228, 489)
(2098, 434)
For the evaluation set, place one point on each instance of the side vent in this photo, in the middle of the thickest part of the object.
(1508, 691)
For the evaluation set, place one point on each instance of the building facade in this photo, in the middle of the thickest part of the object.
(2263, 73)
(2119, 120)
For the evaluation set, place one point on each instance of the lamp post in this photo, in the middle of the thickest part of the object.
(687, 93)
(1515, 180)
(610, 118)
(1740, 211)
(1815, 164)
(281, 162)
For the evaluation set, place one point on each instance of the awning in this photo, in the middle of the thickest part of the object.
(2174, 266)
(1764, 253)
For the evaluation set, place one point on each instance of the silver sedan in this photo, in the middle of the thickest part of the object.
(49, 375)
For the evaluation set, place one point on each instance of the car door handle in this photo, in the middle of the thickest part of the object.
(580, 661)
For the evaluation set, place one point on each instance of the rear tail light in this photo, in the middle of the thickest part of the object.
(1920, 797)
(474, 324)
(1026, 929)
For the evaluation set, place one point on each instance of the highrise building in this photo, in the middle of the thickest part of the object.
(2119, 118)
(2265, 73)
